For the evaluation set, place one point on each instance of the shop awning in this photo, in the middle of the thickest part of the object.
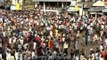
(104, 10)
(71, 9)
(96, 9)
(96, 13)
(99, 3)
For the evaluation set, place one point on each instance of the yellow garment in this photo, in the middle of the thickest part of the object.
(11, 58)
(17, 6)
(56, 32)
(76, 8)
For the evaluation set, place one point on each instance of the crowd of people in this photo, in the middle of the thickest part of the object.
(34, 34)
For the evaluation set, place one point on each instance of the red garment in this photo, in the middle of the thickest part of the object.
(42, 44)
(103, 54)
(50, 43)
(36, 38)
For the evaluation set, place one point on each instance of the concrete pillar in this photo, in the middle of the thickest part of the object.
(62, 5)
(44, 7)
(80, 11)
(96, 15)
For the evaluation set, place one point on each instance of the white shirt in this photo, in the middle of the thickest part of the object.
(21, 57)
(7, 56)
(102, 26)
(1, 19)
(48, 28)
(100, 58)
(88, 27)
(25, 46)
(76, 58)
(21, 41)
(65, 45)
(106, 41)
(10, 40)
(4, 33)
(101, 47)
(0, 56)
(14, 40)
(16, 55)
(96, 56)
(34, 45)
(93, 57)
(33, 54)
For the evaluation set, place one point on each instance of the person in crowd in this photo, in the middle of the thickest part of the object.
(26, 34)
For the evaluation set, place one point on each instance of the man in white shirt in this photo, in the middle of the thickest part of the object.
(100, 58)
(65, 47)
(16, 55)
(1, 19)
(34, 45)
(76, 57)
(33, 54)
(101, 47)
(105, 43)
(8, 55)
(11, 57)
(0, 56)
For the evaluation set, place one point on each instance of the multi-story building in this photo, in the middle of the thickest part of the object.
(57, 5)
(53, 5)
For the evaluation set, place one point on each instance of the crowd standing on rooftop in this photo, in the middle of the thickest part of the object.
(34, 34)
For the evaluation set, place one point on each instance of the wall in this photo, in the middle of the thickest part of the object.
(1, 0)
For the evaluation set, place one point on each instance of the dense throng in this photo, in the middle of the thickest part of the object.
(34, 34)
